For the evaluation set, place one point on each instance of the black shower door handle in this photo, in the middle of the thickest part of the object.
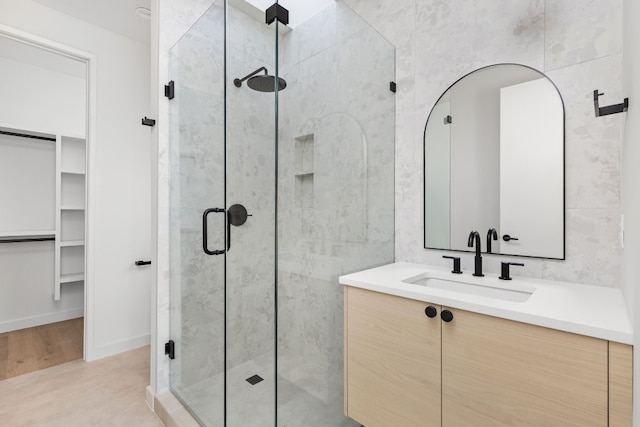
(205, 232)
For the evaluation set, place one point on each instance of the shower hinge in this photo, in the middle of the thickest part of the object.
(146, 121)
(170, 90)
(448, 120)
(393, 87)
(170, 349)
(277, 12)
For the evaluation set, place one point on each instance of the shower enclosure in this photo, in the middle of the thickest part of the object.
(282, 179)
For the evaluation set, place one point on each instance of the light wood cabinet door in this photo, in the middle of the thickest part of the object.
(498, 372)
(392, 361)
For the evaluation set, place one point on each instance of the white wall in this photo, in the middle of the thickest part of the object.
(118, 308)
(631, 181)
(40, 99)
(26, 286)
(27, 185)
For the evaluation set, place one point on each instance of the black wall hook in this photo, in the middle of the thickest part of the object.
(611, 109)
(146, 121)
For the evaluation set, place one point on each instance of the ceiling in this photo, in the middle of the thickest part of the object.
(118, 16)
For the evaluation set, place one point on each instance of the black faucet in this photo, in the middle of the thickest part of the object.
(491, 234)
(474, 235)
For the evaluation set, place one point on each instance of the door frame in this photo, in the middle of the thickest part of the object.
(90, 135)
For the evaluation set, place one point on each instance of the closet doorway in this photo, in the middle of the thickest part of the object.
(43, 199)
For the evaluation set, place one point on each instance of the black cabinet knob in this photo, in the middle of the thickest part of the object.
(508, 238)
(446, 316)
(431, 312)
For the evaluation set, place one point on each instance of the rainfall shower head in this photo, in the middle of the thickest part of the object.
(263, 83)
(266, 83)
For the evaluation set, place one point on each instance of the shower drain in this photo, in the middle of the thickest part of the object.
(254, 379)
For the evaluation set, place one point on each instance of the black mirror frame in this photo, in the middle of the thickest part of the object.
(564, 168)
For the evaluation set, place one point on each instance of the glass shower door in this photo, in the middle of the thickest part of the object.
(223, 160)
(197, 218)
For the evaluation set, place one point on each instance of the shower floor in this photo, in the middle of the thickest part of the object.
(307, 394)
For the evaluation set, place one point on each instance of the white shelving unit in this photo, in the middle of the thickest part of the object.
(71, 190)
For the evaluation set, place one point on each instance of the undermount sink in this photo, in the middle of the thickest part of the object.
(517, 293)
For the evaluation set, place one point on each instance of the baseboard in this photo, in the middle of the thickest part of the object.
(171, 412)
(117, 347)
(42, 319)
(150, 397)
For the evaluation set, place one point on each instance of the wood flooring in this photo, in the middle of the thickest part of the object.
(40, 347)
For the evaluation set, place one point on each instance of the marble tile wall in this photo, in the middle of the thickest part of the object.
(578, 45)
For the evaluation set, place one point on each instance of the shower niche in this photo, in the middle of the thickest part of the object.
(303, 165)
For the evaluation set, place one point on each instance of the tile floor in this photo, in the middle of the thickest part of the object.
(307, 395)
(107, 392)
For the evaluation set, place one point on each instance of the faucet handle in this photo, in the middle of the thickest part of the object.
(456, 264)
(491, 234)
(505, 270)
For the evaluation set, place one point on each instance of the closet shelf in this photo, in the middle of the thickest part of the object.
(68, 278)
(71, 185)
(69, 243)
(28, 233)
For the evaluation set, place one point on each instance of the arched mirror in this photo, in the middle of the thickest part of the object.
(494, 159)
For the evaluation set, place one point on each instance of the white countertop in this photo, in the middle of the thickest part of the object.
(594, 311)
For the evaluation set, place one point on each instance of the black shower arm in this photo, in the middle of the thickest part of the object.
(253, 74)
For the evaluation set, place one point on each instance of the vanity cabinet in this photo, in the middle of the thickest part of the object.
(404, 368)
